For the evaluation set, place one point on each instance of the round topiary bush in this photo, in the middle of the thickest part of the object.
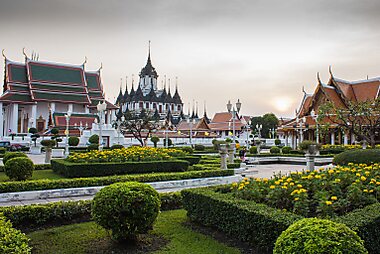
(12, 155)
(48, 142)
(11, 239)
(253, 150)
(19, 168)
(94, 139)
(313, 236)
(198, 147)
(286, 149)
(116, 146)
(127, 209)
(187, 149)
(73, 141)
(274, 150)
(357, 156)
(277, 142)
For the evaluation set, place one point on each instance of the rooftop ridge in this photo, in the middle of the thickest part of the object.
(357, 81)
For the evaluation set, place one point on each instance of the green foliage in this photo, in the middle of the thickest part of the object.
(187, 149)
(12, 240)
(228, 140)
(3, 150)
(277, 142)
(313, 236)
(92, 147)
(233, 165)
(216, 143)
(33, 130)
(116, 146)
(367, 156)
(198, 147)
(191, 159)
(106, 180)
(126, 209)
(94, 139)
(155, 140)
(268, 121)
(54, 131)
(170, 142)
(253, 150)
(275, 150)
(305, 145)
(11, 155)
(73, 141)
(48, 143)
(19, 168)
(286, 150)
(235, 217)
(71, 169)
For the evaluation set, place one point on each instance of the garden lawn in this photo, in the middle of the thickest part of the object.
(90, 238)
(37, 175)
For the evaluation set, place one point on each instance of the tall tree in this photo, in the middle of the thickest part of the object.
(359, 118)
(268, 121)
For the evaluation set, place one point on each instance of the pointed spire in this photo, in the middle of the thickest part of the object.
(3, 53)
(126, 85)
(196, 113)
(169, 86)
(149, 52)
(330, 71)
(121, 84)
(24, 53)
(319, 79)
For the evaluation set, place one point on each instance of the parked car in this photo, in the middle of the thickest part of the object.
(11, 147)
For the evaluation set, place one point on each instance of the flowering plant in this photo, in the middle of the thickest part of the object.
(323, 192)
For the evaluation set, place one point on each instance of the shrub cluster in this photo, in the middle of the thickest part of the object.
(11, 239)
(116, 146)
(358, 156)
(253, 150)
(275, 150)
(198, 147)
(191, 159)
(126, 209)
(73, 141)
(187, 149)
(233, 165)
(286, 149)
(11, 155)
(71, 170)
(106, 180)
(317, 236)
(19, 168)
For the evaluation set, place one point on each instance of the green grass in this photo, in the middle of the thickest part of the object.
(90, 238)
(37, 174)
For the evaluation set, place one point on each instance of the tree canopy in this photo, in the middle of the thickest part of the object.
(268, 121)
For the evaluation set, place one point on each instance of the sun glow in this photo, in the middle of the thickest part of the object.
(282, 104)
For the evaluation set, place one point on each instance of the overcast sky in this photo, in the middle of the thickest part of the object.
(259, 51)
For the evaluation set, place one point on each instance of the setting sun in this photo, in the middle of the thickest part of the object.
(282, 104)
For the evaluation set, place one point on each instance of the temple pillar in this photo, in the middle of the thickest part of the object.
(70, 107)
(109, 116)
(33, 119)
(1, 120)
(332, 136)
(52, 108)
(14, 121)
(286, 138)
(86, 109)
(345, 139)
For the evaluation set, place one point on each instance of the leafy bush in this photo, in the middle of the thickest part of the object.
(19, 168)
(11, 155)
(155, 140)
(127, 209)
(198, 147)
(257, 224)
(71, 169)
(275, 150)
(3, 150)
(106, 180)
(305, 145)
(48, 142)
(191, 159)
(12, 240)
(253, 150)
(277, 142)
(367, 156)
(187, 149)
(233, 165)
(73, 141)
(94, 139)
(312, 235)
(93, 147)
(116, 146)
(286, 149)
(170, 142)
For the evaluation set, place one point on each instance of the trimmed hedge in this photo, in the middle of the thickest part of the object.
(11, 155)
(191, 159)
(36, 167)
(71, 170)
(357, 156)
(233, 165)
(11, 239)
(248, 221)
(106, 180)
(205, 167)
(33, 217)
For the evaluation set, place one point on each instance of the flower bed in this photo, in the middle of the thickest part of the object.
(325, 192)
(134, 153)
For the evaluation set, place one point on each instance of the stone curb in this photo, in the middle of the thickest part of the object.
(91, 191)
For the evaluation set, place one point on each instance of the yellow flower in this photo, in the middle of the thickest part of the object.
(363, 178)
(277, 182)
(299, 185)
(328, 203)
(337, 180)
(365, 190)
(296, 199)
(334, 198)
(357, 174)
(370, 191)
(291, 184)
(272, 187)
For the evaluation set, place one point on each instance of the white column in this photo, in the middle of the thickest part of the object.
(345, 139)
(70, 107)
(1, 120)
(52, 108)
(286, 139)
(22, 121)
(86, 109)
(34, 116)
(109, 116)
(14, 121)
(332, 138)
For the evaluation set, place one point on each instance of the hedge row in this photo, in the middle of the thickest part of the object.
(248, 221)
(106, 180)
(205, 167)
(357, 156)
(260, 225)
(32, 217)
(233, 165)
(191, 159)
(71, 170)
(36, 167)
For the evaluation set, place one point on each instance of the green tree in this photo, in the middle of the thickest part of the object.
(359, 118)
(155, 140)
(268, 121)
(56, 136)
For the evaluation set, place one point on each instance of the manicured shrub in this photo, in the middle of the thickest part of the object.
(357, 156)
(305, 145)
(253, 150)
(19, 168)
(198, 147)
(93, 147)
(12, 240)
(191, 159)
(313, 236)
(3, 150)
(11, 155)
(233, 165)
(94, 139)
(116, 146)
(73, 141)
(275, 150)
(277, 142)
(170, 142)
(187, 149)
(106, 180)
(48, 142)
(286, 149)
(126, 209)
(155, 140)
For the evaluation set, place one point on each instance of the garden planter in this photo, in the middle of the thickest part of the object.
(35, 150)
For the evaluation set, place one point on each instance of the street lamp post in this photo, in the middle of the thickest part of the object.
(248, 129)
(80, 127)
(234, 112)
(68, 115)
(191, 122)
(167, 125)
(101, 107)
(315, 117)
(118, 122)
